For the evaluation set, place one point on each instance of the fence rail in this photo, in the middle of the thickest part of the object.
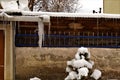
(60, 40)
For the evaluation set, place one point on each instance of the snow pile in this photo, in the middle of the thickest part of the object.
(35, 78)
(81, 66)
(98, 72)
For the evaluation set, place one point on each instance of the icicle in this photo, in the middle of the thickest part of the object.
(40, 32)
(46, 18)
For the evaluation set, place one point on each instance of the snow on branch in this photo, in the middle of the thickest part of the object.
(56, 5)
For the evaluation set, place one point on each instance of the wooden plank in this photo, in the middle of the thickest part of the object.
(1, 55)
(23, 18)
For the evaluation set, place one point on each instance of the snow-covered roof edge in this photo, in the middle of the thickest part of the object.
(61, 14)
(58, 14)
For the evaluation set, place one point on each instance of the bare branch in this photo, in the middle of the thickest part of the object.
(54, 5)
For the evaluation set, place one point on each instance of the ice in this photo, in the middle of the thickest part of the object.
(46, 18)
(40, 32)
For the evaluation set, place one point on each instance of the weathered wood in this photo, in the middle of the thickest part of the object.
(22, 18)
(90, 24)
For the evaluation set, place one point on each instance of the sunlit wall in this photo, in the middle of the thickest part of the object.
(112, 6)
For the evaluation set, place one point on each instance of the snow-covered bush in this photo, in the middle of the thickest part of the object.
(82, 51)
(81, 66)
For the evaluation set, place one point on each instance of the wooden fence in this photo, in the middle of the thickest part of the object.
(70, 39)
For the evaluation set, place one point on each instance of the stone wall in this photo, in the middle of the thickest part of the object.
(50, 63)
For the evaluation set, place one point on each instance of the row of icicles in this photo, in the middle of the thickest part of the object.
(81, 67)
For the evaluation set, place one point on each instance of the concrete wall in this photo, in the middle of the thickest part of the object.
(111, 6)
(8, 52)
(50, 63)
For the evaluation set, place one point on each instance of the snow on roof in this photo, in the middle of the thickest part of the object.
(45, 16)
(9, 5)
(25, 2)
(60, 14)
(13, 5)
(23, 5)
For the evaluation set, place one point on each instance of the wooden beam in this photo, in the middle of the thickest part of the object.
(22, 18)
